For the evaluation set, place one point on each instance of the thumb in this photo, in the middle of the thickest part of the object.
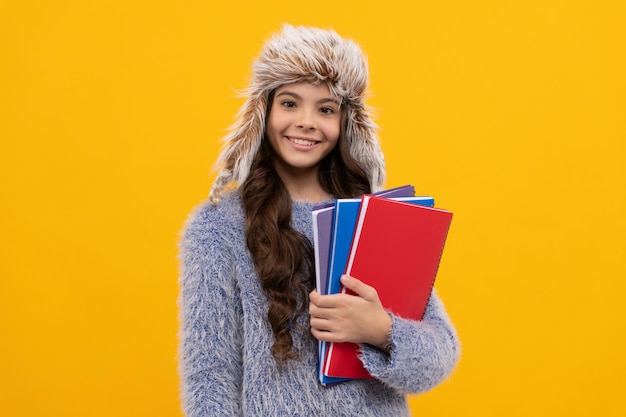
(358, 287)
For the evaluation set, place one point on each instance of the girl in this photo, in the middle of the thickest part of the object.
(250, 319)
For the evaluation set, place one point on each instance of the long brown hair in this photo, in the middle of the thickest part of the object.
(283, 257)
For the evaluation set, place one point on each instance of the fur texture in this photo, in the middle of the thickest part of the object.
(225, 353)
(312, 55)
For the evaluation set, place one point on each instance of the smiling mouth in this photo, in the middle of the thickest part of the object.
(301, 142)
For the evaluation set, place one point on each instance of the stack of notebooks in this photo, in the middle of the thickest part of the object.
(392, 241)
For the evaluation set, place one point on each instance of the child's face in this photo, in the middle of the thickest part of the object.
(303, 126)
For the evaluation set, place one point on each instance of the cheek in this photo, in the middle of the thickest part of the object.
(272, 122)
(279, 119)
(333, 140)
(271, 133)
(332, 132)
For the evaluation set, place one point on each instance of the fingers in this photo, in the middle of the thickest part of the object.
(334, 301)
(328, 336)
(359, 287)
(353, 317)
(326, 301)
(323, 325)
(330, 328)
(326, 306)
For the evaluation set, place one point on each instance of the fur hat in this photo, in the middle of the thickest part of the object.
(312, 55)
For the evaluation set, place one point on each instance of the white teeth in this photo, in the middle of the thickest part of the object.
(302, 142)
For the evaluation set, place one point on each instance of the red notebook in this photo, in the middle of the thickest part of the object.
(396, 248)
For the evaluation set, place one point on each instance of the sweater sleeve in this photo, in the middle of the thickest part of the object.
(210, 323)
(423, 353)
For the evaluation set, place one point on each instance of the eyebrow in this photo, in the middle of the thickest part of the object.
(298, 97)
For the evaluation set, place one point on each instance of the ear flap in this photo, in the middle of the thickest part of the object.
(365, 147)
(240, 145)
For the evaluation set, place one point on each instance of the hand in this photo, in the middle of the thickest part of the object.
(358, 318)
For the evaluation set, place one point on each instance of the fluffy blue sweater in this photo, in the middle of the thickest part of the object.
(226, 364)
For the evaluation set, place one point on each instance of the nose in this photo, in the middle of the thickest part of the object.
(306, 120)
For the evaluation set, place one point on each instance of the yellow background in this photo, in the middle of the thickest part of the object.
(510, 113)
